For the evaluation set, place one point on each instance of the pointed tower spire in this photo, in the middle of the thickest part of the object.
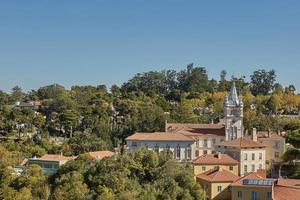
(233, 96)
(233, 113)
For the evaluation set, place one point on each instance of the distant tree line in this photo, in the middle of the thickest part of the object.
(95, 118)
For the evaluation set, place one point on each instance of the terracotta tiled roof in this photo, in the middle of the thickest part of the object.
(213, 159)
(217, 175)
(159, 136)
(196, 129)
(241, 143)
(287, 182)
(53, 157)
(101, 154)
(253, 175)
(287, 189)
(266, 134)
(285, 193)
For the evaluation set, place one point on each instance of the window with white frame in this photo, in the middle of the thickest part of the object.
(196, 153)
(205, 143)
(253, 168)
(260, 156)
(245, 156)
(178, 152)
(188, 153)
(213, 141)
(245, 169)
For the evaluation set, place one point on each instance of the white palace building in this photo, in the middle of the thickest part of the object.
(189, 141)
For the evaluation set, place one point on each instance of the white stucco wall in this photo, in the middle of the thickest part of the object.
(162, 146)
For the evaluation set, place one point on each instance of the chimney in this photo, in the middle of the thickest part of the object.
(262, 173)
(219, 155)
(278, 132)
(254, 135)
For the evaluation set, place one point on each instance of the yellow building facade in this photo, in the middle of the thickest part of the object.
(216, 183)
(211, 161)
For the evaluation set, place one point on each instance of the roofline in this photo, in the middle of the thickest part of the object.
(263, 146)
(215, 163)
(215, 181)
(37, 159)
(191, 140)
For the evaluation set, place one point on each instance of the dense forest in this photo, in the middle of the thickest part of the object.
(90, 118)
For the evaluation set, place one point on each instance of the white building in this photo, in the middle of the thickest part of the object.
(250, 153)
(179, 144)
(194, 140)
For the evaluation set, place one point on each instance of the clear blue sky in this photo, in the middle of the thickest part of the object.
(107, 42)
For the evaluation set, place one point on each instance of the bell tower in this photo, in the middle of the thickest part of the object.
(233, 115)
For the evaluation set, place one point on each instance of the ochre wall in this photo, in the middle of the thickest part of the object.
(211, 190)
(246, 192)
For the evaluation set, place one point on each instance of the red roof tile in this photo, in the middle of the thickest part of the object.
(284, 193)
(197, 129)
(266, 134)
(215, 159)
(253, 175)
(287, 189)
(217, 175)
(53, 157)
(241, 143)
(287, 182)
(101, 154)
(159, 136)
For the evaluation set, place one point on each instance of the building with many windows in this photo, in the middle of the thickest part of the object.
(220, 184)
(275, 146)
(180, 145)
(195, 140)
(204, 135)
(255, 186)
(216, 183)
(211, 161)
(250, 153)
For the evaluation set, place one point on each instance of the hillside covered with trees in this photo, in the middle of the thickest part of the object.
(95, 116)
(91, 118)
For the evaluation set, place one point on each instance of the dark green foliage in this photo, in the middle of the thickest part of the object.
(294, 139)
(262, 81)
(140, 175)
